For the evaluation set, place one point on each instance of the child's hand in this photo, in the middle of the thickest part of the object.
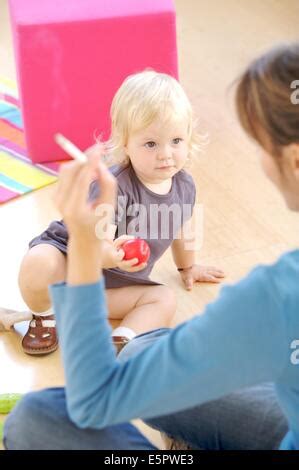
(111, 256)
(126, 265)
(201, 274)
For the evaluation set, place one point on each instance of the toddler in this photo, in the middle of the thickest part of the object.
(152, 138)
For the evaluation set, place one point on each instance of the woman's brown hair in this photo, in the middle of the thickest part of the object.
(263, 98)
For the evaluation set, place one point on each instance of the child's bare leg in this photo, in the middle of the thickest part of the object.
(141, 308)
(41, 266)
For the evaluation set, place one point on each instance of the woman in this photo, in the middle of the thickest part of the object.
(248, 336)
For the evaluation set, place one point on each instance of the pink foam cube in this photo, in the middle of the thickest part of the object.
(71, 57)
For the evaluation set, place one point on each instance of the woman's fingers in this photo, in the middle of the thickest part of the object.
(74, 181)
(107, 184)
(79, 193)
(67, 176)
(97, 149)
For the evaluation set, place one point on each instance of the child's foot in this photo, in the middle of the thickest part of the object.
(9, 317)
(41, 337)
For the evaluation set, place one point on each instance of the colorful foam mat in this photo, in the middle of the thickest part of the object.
(18, 175)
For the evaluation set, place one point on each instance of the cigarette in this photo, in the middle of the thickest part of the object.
(70, 148)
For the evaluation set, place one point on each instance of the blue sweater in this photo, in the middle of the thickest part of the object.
(250, 334)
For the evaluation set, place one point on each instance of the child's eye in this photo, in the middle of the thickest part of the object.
(151, 144)
(177, 140)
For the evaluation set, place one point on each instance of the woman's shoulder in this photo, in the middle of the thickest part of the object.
(287, 264)
(279, 279)
(285, 272)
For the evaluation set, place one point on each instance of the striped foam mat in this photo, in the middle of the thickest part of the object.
(18, 175)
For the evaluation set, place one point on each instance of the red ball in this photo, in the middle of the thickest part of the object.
(136, 248)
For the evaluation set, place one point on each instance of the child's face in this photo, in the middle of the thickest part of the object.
(159, 151)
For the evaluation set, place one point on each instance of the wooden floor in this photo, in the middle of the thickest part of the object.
(245, 221)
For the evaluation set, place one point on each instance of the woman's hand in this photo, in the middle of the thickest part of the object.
(87, 229)
(71, 198)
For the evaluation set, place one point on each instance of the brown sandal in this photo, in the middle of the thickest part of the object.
(41, 337)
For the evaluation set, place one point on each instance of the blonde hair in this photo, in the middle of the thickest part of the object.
(142, 98)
